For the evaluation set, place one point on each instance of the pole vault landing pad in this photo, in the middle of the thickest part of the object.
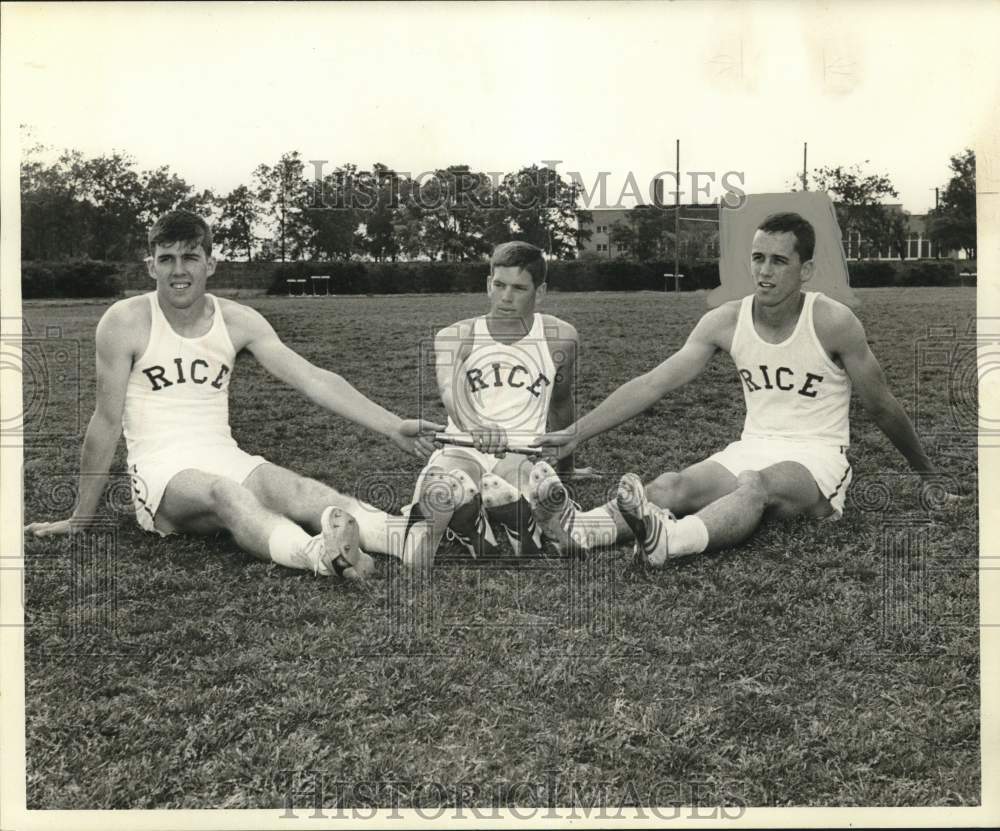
(736, 230)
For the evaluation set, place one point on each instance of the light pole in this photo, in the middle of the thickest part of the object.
(937, 204)
(677, 217)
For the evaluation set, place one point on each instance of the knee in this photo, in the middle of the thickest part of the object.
(753, 484)
(226, 496)
(667, 491)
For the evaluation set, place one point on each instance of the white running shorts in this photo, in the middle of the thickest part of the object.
(151, 475)
(828, 464)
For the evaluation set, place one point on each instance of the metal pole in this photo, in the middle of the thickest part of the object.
(805, 155)
(677, 219)
(937, 202)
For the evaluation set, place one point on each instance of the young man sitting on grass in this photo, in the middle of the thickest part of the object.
(164, 365)
(798, 355)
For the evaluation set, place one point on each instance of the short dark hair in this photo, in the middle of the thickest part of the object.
(180, 226)
(523, 255)
(805, 234)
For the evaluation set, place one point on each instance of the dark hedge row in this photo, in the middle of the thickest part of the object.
(427, 278)
(70, 278)
(578, 275)
(869, 274)
(95, 278)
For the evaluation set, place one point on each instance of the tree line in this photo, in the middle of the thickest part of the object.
(294, 209)
(101, 208)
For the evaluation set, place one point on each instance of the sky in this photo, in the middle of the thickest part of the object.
(213, 90)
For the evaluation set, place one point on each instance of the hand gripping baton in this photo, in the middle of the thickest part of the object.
(465, 440)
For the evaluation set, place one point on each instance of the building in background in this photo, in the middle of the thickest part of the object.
(700, 237)
(600, 225)
(699, 232)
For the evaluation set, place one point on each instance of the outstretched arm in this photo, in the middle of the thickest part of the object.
(328, 389)
(845, 334)
(562, 407)
(642, 392)
(114, 362)
(449, 349)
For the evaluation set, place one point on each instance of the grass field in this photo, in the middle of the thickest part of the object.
(820, 664)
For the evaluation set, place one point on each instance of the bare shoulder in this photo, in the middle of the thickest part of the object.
(562, 341)
(453, 343)
(717, 325)
(235, 312)
(125, 325)
(243, 322)
(834, 322)
(457, 331)
(558, 329)
(129, 311)
(725, 312)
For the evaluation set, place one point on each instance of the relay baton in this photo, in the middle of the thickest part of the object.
(464, 440)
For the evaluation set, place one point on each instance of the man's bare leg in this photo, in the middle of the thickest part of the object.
(690, 490)
(680, 493)
(303, 501)
(786, 488)
(200, 503)
(297, 497)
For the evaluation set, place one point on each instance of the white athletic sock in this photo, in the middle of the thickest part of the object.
(285, 544)
(688, 536)
(373, 529)
(595, 528)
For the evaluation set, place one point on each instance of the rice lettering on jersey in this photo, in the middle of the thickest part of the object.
(792, 389)
(783, 380)
(178, 390)
(157, 375)
(513, 373)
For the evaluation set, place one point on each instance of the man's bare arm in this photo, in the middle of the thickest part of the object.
(562, 407)
(328, 389)
(114, 363)
(642, 392)
(844, 336)
(447, 364)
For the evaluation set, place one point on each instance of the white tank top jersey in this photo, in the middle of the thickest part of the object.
(509, 384)
(793, 390)
(178, 391)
